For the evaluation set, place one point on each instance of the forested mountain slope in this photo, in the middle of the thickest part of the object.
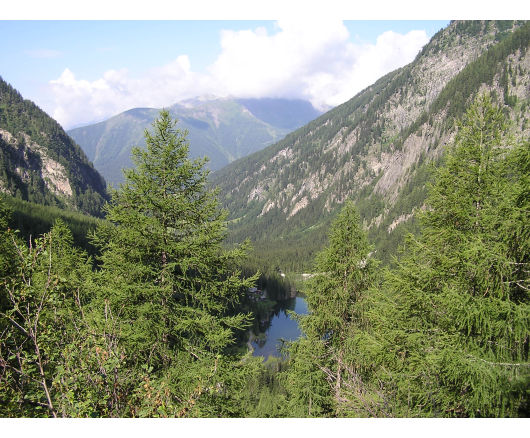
(221, 128)
(40, 163)
(376, 148)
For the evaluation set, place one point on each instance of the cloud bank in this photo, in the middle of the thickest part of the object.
(315, 61)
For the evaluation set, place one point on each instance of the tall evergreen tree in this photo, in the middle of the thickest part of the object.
(151, 331)
(171, 287)
(460, 295)
(345, 271)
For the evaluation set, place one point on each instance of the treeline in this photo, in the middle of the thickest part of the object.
(33, 219)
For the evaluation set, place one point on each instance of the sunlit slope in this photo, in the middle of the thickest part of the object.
(376, 148)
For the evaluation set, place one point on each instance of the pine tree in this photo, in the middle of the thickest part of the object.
(461, 310)
(172, 289)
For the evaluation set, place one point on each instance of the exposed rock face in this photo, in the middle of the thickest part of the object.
(370, 148)
(32, 158)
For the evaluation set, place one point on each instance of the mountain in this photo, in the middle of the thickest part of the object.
(377, 148)
(40, 163)
(222, 129)
(282, 113)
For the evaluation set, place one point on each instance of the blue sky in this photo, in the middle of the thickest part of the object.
(85, 71)
(92, 47)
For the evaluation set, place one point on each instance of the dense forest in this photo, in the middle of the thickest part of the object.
(445, 333)
(153, 322)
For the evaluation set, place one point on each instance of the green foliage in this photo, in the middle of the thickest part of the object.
(33, 220)
(163, 254)
(151, 331)
(49, 363)
(345, 271)
(7, 251)
(446, 332)
(307, 386)
(156, 328)
(455, 311)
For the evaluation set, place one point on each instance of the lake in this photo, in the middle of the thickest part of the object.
(281, 327)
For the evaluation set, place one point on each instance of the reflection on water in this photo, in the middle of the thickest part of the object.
(281, 327)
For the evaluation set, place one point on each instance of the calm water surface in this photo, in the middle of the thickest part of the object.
(281, 327)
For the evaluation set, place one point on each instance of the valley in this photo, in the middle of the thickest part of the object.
(386, 240)
(377, 148)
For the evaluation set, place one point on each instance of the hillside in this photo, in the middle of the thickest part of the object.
(376, 148)
(222, 129)
(40, 163)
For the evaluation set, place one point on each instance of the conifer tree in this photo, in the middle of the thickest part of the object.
(172, 289)
(344, 273)
(461, 306)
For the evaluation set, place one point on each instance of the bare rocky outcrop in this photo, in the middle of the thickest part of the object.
(32, 157)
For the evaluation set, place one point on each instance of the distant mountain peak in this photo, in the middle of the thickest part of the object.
(221, 128)
(199, 100)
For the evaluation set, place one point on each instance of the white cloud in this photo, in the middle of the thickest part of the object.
(364, 64)
(78, 101)
(300, 59)
(253, 63)
(314, 61)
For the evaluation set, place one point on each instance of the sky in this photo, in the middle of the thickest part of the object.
(83, 71)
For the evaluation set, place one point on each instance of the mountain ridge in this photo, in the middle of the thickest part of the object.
(39, 162)
(223, 129)
(375, 147)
